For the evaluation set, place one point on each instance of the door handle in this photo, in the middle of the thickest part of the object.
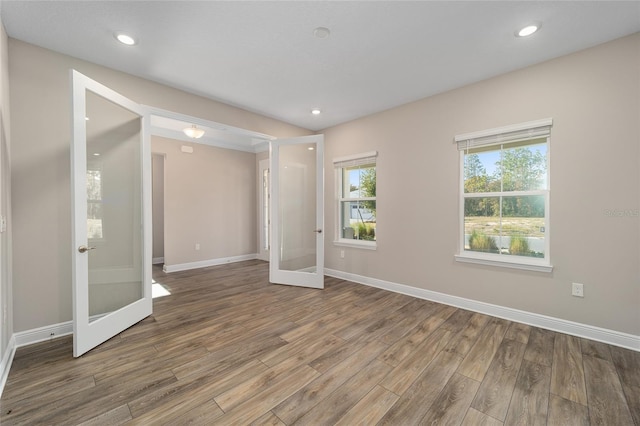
(84, 249)
(318, 231)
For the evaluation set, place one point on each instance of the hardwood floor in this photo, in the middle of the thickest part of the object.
(226, 347)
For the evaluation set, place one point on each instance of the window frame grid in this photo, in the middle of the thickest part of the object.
(340, 165)
(539, 129)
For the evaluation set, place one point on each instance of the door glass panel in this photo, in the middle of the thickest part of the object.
(265, 210)
(297, 212)
(114, 215)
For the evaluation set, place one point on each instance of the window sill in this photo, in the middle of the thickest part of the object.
(367, 245)
(522, 265)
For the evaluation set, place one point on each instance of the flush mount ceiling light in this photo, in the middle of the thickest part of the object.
(125, 39)
(316, 111)
(528, 30)
(321, 32)
(193, 132)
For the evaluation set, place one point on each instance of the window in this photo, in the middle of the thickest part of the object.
(504, 196)
(356, 195)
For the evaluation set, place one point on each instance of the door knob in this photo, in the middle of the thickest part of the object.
(319, 231)
(84, 249)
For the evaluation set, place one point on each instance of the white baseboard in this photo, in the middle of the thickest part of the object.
(5, 362)
(41, 334)
(157, 260)
(611, 337)
(211, 262)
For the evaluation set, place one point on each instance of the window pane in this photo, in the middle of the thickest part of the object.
(524, 168)
(520, 166)
(523, 226)
(482, 224)
(480, 170)
(359, 182)
(520, 231)
(359, 220)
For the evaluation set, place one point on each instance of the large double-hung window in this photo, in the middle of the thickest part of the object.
(356, 196)
(504, 196)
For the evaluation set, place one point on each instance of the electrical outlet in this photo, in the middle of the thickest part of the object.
(197, 246)
(341, 254)
(577, 290)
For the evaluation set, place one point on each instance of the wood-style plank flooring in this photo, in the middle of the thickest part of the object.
(227, 347)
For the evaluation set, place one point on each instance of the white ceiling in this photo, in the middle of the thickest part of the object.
(263, 56)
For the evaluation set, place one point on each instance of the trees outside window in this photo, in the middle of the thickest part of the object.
(505, 191)
(504, 196)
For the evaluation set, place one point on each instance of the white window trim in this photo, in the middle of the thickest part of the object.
(501, 135)
(523, 264)
(344, 242)
(338, 164)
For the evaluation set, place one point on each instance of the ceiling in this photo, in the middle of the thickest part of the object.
(264, 57)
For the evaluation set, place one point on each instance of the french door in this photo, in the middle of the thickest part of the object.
(264, 214)
(297, 211)
(111, 208)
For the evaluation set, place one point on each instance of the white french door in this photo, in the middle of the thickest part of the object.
(297, 211)
(111, 207)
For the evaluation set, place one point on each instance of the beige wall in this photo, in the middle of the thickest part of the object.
(6, 304)
(593, 97)
(209, 200)
(40, 107)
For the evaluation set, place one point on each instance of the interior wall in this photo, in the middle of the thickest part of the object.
(209, 200)
(593, 97)
(6, 305)
(157, 178)
(40, 106)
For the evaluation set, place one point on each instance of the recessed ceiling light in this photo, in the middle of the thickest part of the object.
(310, 148)
(96, 154)
(321, 32)
(316, 111)
(528, 30)
(125, 39)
